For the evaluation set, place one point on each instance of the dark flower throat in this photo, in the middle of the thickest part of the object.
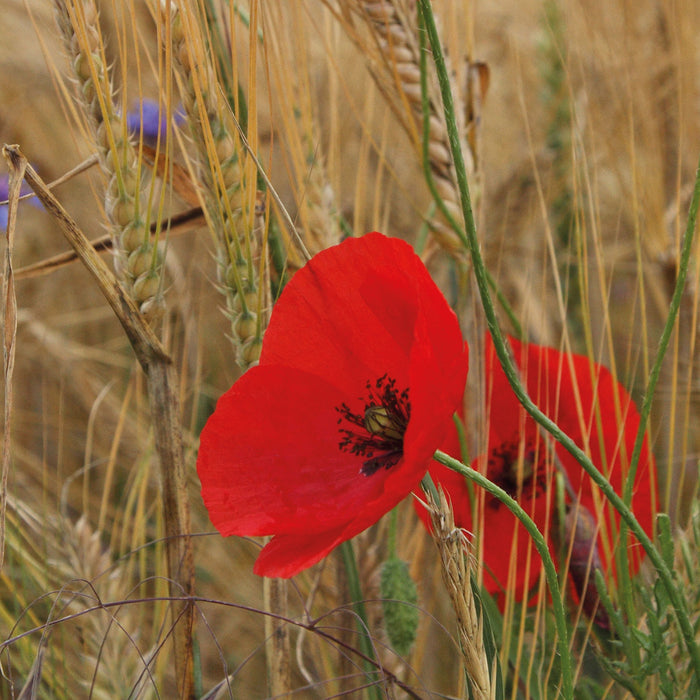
(503, 470)
(378, 431)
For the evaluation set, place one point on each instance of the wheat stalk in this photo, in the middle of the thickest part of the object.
(107, 663)
(165, 412)
(288, 60)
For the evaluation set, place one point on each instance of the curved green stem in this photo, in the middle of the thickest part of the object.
(647, 401)
(686, 252)
(538, 540)
(430, 180)
(511, 373)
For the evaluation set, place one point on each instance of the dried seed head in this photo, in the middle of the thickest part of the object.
(218, 151)
(124, 198)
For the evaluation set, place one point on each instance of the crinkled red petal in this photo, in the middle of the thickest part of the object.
(584, 399)
(598, 414)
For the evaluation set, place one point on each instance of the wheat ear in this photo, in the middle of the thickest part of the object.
(138, 261)
(229, 190)
(454, 559)
(392, 52)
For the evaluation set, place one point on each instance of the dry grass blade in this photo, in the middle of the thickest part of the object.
(31, 687)
(277, 633)
(454, 559)
(9, 336)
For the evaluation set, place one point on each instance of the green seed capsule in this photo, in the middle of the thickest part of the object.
(399, 597)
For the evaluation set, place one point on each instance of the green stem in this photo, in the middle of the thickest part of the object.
(538, 540)
(686, 252)
(510, 371)
(366, 647)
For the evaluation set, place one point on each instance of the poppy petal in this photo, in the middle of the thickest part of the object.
(350, 314)
(269, 460)
(287, 555)
(584, 399)
(288, 451)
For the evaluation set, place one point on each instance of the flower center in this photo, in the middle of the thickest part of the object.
(377, 432)
(519, 475)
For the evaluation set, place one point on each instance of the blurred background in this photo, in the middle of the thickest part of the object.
(582, 134)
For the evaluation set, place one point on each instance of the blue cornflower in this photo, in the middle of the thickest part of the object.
(148, 119)
(4, 194)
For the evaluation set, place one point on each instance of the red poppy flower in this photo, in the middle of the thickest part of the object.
(597, 413)
(362, 366)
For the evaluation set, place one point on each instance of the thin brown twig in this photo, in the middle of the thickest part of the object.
(179, 223)
(9, 336)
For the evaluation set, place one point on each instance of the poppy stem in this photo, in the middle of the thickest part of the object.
(669, 326)
(538, 540)
(677, 600)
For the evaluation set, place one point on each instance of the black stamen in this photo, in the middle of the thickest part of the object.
(379, 429)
